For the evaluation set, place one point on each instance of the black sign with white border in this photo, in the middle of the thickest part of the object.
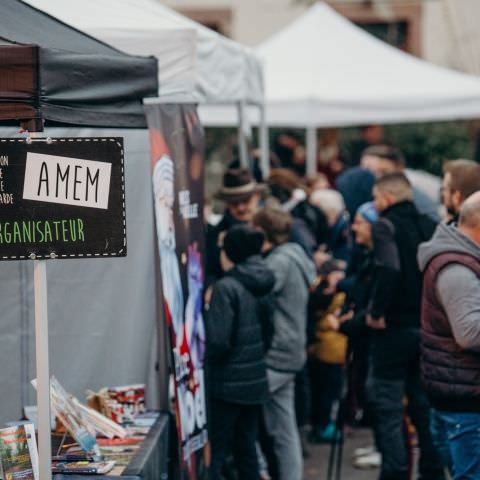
(62, 198)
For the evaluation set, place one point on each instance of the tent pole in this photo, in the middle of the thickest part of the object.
(35, 129)
(311, 150)
(264, 143)
(43, 369)
(242, 140)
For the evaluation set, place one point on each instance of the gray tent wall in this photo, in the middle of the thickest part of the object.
(102, 313)
(105, 322)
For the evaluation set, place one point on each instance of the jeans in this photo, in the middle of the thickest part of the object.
(440, 438)
(281, 425)
(386, 389)
(234, 427)
(463, 432)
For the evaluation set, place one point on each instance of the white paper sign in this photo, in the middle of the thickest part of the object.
(65, 180)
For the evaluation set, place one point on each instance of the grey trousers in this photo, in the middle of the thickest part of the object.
(281, 425)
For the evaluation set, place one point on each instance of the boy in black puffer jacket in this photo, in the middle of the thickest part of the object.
(235, 338)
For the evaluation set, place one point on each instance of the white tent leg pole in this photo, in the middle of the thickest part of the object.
(264, 143)
(242, 141)
(43, 370)
(311, 150)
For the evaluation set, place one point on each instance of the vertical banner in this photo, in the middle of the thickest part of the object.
(177, 144)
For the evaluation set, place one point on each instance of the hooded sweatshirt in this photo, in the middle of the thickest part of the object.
(457, 286)
(294, 273)
(235, 352)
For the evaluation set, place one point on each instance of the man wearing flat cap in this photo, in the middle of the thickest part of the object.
(241, 194)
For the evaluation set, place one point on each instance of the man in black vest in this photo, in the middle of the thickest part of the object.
(394, 316)
(451, 336)
(461, 178)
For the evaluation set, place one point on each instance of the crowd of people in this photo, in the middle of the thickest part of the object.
(362, 295)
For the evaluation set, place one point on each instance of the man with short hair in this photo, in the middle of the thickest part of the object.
(461, 178)
(394, 316)
(241, 194)
(451, 335)
(384, 159)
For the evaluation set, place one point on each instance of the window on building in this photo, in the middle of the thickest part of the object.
(398, 24)
(217, 19)
(394, 33)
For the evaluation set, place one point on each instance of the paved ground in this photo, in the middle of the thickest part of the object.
(316, 466)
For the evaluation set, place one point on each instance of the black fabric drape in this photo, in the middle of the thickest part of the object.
(52, 69)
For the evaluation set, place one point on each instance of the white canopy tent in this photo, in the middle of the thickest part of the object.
(196, 64)
(323, 71)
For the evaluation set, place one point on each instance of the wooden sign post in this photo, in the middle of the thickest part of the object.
(60, 198)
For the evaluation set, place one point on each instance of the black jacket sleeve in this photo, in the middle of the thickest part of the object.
(220, 322)
(213, 268)
(355, 327)
(386, 267)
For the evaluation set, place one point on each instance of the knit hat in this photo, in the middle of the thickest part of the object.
(241, 242)
(368, 212)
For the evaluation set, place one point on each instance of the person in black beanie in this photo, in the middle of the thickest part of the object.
(235, 350)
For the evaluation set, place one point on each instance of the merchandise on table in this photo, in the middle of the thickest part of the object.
(122, 455)
(122, 404)
(88, 468)
(18, 453)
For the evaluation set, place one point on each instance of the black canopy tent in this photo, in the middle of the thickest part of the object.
(52, 71)
(85, 88)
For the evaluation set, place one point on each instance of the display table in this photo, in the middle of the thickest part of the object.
(150, 463)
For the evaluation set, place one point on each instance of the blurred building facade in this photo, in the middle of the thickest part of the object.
(444, 32)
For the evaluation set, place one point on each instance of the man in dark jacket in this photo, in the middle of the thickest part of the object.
(394, 316)
(241, 195)
(384, 159)
(235, 354)
(451, 335)
(358, 285)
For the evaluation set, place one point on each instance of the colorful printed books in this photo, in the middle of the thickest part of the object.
(110, 442)
(83, 468)
(18, 453)
(122, 455)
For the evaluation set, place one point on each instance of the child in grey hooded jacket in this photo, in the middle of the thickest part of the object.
(294, 273)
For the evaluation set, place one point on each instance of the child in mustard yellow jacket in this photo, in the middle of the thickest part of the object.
(326, 357)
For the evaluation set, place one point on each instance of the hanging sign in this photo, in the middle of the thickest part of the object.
(62, 198)
(177, 145)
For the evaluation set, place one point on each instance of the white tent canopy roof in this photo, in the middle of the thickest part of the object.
(195, 63)
(323, 71)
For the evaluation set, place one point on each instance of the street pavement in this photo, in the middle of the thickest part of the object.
(316, 465)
